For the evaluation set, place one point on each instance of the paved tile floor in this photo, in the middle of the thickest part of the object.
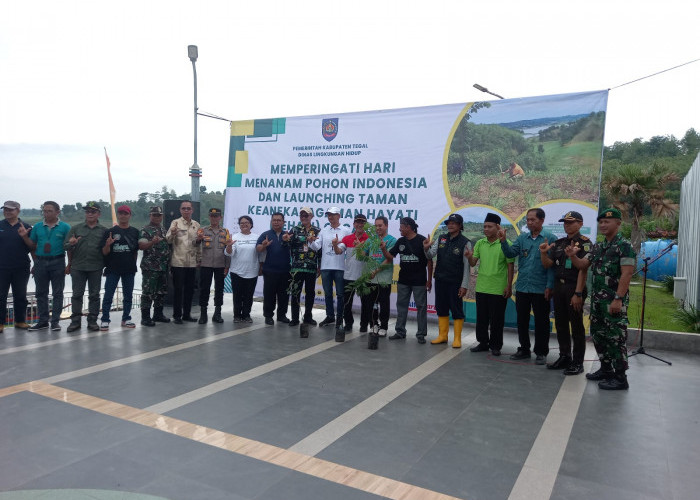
(254, 412)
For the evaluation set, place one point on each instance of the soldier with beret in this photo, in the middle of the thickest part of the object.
(451, 278)
(612, 262)
(569, 292)
(214, 265)
(154, 268)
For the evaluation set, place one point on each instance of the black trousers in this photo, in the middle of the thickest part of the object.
(565, 315)
(205, 277)
(365, 307)
(275, 290)
(307, 281)
(447, 299)
(183, 288)
(17, 279)
(524, 302)
(490, 315)
(243, 291)
(378, 305)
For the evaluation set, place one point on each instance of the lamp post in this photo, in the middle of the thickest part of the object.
(484, 89)
(195, 171)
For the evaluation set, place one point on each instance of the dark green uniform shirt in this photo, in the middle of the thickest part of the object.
(87, 252)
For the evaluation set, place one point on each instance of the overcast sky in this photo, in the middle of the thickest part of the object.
(79, 75)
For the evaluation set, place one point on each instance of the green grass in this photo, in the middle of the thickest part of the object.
(659, 309)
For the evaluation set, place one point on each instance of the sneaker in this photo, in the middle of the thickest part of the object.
(521, 354)
(128, 324)
(330, 320)
(561, 363)
(55, 327)
(269, 321)
(382, 332)
(22, 325)
(39, 326)
(479, 348)
(104, 326)
(397, 336)
(541, 359)
(617, 383)
(574, 369)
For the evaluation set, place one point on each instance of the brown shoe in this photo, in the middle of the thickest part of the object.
(22, 325)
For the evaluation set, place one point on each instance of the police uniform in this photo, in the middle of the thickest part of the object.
(565, 277)
(213, 265)
(451, 274)
(154, 270)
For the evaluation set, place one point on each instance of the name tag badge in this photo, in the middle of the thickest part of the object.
(47, 248)
(567, 264)
(306, 248)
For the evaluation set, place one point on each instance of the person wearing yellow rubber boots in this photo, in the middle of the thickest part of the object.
(451, 277)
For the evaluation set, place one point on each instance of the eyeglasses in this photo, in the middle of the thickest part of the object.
(244, 223)
(185, 208)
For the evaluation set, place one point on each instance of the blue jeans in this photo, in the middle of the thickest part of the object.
(111, 281)
(49, 272)
(329, 277)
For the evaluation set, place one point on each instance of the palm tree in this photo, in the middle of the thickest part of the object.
(632, 188)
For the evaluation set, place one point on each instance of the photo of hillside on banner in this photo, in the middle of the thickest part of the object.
(425, 163)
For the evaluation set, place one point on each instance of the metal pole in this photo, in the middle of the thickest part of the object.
(195, 171)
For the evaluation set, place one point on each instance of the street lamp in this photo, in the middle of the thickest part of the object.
(484, 89)
(195, 171)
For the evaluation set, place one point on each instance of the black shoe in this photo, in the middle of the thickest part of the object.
(561, 363)
(616, 383)
(160, 318)
(312, 322)
(216, 318)
(294, 322)
(521, 354)
(495, 352)
(348, 328)
(421, 339)
(38, 327)
(74, 325)
(55, 327)
(203, 319)
(363, 329)
(600, 374)
(237, 319)
(396, 336)
(479, 348)
(283, 319)
(574, 369)
(93, 327)
(541, 359)
(148, 322)
(247, 319)
(330, 320)
(269, 321)
(177, 321)
(189, 318)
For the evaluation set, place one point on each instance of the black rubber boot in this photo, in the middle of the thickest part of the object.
(616, 383)
(146, 317)
(202, 316)
(158, 315)
(605, 372)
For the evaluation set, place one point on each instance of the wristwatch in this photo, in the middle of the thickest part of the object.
(617, 297)
(578, 294)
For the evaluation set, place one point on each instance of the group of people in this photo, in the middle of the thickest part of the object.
(549, 269)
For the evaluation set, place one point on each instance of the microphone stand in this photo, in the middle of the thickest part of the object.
(645, 269)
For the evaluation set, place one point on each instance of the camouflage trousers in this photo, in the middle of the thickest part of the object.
(609, 332)
(153, 288)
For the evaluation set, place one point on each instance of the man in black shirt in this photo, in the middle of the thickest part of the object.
(412, 278)
(120, 246)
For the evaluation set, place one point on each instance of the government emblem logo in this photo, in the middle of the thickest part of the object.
(329, 128)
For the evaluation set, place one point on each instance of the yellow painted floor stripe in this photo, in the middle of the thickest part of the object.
(322, 469)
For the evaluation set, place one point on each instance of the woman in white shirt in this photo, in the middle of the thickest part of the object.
(244, 269)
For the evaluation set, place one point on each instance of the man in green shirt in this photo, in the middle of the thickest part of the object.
(493, 286)
(85, 264)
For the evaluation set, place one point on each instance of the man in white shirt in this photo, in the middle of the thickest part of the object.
(332, 266)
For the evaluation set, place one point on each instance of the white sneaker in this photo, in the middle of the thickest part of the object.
(382, 332)
(104, 326)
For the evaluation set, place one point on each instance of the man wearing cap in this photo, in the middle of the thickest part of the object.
(613, 261)
(46, 240)
(186, 255)
(14, 264)
(533, 287)
(120, 246)
(412, 278)
(569, 292)
(353, 270)
(304, 265)
(275, 270)
(379, 298)
(451, 278)
(215, 264)
(493, 286)
(85, 262)
(332, 266)
(154, 268)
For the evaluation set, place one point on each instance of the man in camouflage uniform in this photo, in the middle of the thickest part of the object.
(154, 267)
(569, 292)
(304, 265)
(613, 261)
